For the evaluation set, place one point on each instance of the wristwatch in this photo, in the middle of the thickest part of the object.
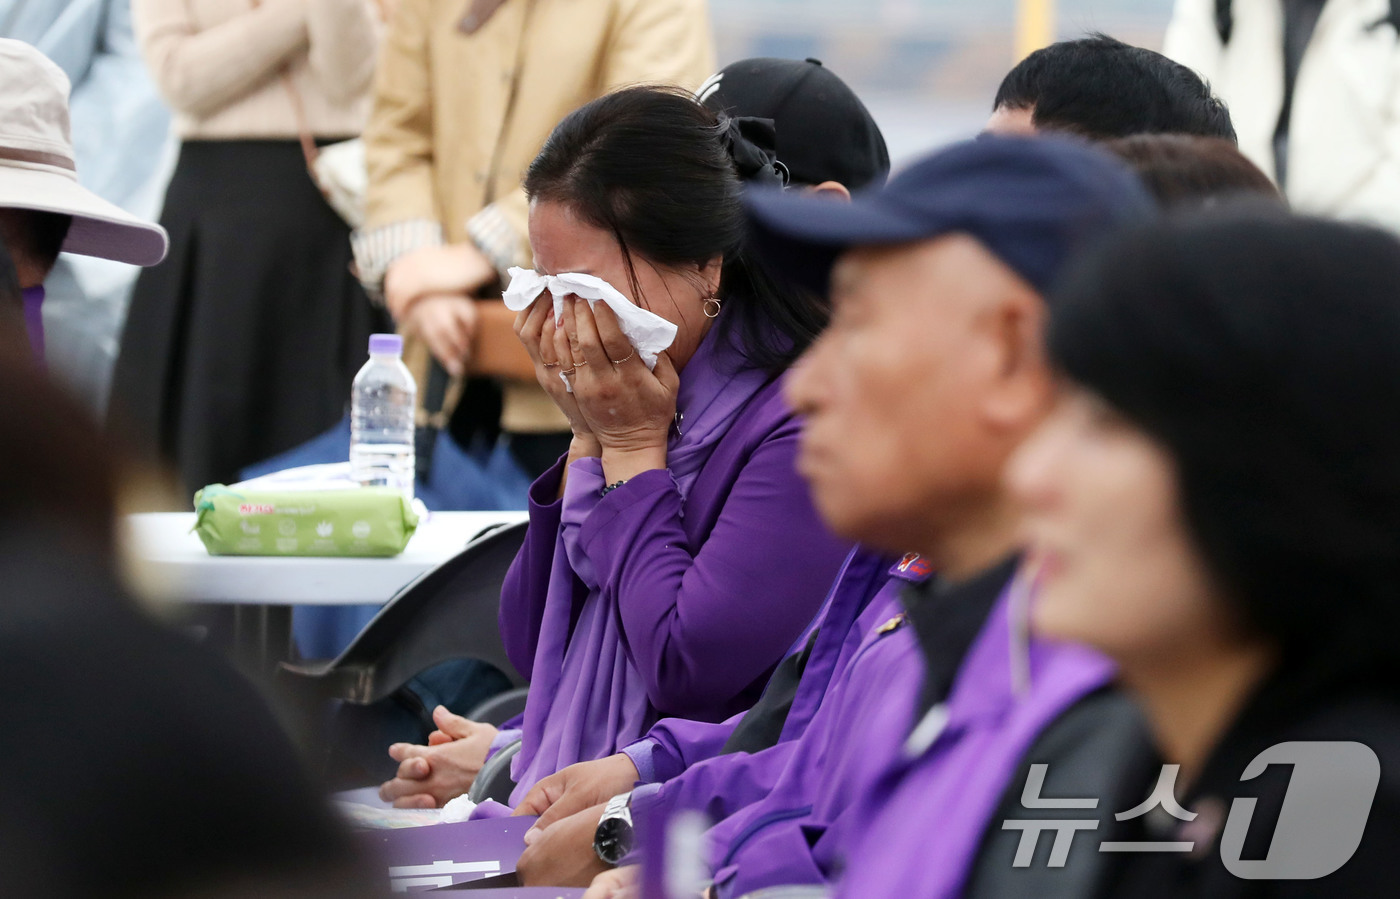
(614, 837)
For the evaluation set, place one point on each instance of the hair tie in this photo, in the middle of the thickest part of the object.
(751, 143)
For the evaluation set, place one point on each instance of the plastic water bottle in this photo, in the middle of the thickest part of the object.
(381, 418)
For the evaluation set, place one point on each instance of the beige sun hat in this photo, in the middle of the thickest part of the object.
(37, 169)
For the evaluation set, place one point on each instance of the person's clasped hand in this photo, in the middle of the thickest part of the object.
(430, 776)
(618, 883)
(562, 854)
(576, 788)
(458, 269)
(447, 324)
(428, 291)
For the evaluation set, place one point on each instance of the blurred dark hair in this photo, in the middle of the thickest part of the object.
(11, 298)
(1102, 88)
(650, 166)
(58, 473)
(34, 236)
(1184, 171)
(1263, 352)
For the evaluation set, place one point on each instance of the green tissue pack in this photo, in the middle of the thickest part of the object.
(342, 521)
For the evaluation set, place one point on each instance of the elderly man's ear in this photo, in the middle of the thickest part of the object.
(831, 190)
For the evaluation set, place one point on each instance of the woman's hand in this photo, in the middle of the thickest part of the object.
(447, 324)
(576, 788)
(562, 855)
(535, 327)
(429, 776)
(619, 883)
(628, 409)
(458, 269)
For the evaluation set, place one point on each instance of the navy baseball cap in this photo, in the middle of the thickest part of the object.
(1033, 202)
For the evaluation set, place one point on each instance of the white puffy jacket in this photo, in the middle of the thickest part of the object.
(1344, 135)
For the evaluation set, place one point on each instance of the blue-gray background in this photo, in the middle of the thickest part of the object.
(926, 68)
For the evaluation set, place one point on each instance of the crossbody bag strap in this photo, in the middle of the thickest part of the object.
(308, 142)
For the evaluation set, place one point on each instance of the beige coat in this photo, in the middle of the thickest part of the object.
(1344, 145)
(219, 64)
(458, 117)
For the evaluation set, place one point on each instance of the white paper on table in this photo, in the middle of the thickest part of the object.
(324, 476)
(648, 332)
(328, 476)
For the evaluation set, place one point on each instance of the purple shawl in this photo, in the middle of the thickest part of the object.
(587, 699)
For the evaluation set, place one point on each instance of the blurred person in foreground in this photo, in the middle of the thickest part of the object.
(647, 584)
(1101, 88)
(1315, 90)
(244, 343)
(139, 764)
(43, 208)
(1215, 505)
(123, 151)
(465, 94)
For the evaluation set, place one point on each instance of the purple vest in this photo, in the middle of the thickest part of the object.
(917, 832)
(685, 754)
(910, 826)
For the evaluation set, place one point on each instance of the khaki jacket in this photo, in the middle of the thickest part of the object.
(458, 117)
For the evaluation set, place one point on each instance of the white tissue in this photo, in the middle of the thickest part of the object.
(648, 332)
(456, 810)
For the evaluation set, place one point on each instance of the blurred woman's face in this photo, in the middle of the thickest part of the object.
(1116, 566)
(563, 242)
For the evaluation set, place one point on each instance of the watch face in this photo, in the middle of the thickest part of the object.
(613, 840)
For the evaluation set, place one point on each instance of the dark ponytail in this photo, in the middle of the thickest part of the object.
(657, 170)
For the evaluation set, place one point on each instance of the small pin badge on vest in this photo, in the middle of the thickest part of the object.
(892, 625)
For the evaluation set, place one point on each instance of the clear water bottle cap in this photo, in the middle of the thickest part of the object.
(385, 344)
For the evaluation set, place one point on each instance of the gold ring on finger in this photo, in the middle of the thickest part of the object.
(623, 359)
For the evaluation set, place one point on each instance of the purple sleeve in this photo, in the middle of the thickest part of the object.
(527, 582)
(703, 626)
(773, 857)
(678, 743)
(719, 787)
(640, 753)
(504, 737)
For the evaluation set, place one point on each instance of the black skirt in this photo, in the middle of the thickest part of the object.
(244, 341)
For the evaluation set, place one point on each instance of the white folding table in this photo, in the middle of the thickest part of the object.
(166, 561)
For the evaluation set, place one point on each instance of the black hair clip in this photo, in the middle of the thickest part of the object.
(752, 145)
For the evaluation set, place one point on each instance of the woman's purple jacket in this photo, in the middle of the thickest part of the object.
(679, 762)
(855, 798)
(704, 578)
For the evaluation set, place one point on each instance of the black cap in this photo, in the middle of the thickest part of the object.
(824, 132)
(1033, 202)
